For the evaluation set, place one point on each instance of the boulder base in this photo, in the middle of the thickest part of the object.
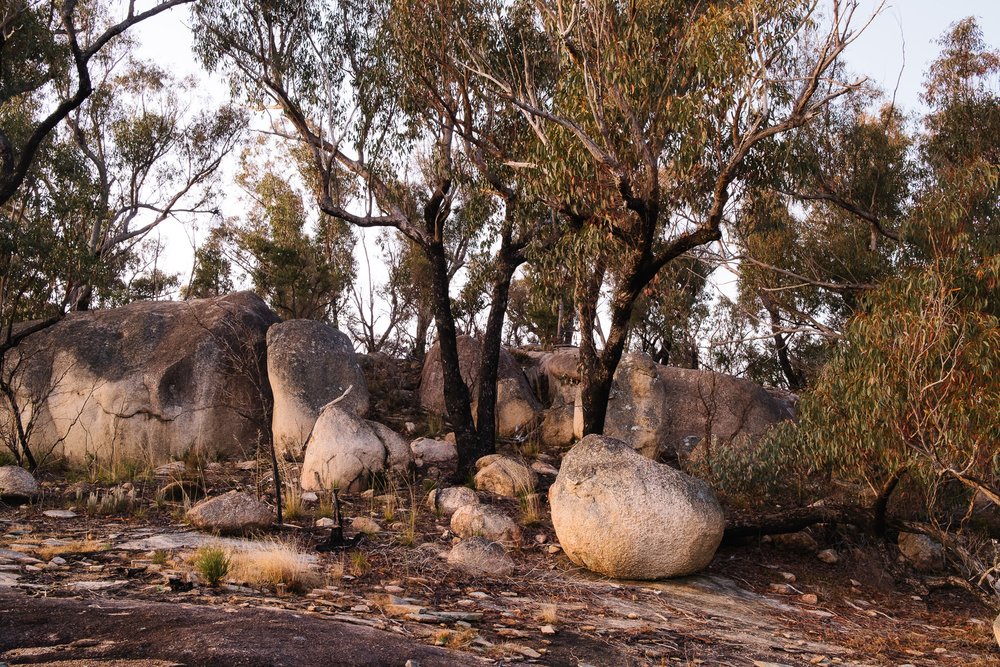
(347, 452)
(623, 515)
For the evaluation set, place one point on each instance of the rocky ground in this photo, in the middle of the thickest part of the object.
(102, 573)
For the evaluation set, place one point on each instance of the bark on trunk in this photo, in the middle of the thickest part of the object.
(457, 399)
(596, 389)
(490, 359)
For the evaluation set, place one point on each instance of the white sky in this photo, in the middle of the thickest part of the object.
(899, 45)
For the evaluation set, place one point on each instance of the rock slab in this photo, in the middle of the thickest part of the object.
(623, 515)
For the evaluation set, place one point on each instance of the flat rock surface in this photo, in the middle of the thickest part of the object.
(184, 634)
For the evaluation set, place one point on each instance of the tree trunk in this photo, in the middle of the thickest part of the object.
(597, 383)
(423, 324)
(490, 359)
(588, 290)
(781, 347)
(457, 400)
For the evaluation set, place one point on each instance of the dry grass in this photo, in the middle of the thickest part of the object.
(274, 563)
(87, 546)
(548, 614)
(531, 508)
(455, 639)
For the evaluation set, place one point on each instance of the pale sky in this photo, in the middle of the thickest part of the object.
(898, 45)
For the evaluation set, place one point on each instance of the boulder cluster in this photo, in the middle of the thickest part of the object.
(160, 381)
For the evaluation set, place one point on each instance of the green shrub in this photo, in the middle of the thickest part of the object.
(212, 564)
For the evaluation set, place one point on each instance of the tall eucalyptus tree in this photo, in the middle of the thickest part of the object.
(657, 111)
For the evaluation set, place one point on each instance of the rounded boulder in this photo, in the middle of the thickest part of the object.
(623, 515)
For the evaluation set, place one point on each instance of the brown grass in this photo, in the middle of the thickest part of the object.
(273, 563)
(88, 546)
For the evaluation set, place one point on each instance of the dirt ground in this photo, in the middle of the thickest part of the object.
(115, 585)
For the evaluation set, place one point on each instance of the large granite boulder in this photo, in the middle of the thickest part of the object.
(349, 453)
(636, 409)
(623, 515)
(148, 382)
(517, 407)
(309, 364)
(661, 411)
(715, 406)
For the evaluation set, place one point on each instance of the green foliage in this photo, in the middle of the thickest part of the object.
(913, 384)
(212, 563)
(298, 274)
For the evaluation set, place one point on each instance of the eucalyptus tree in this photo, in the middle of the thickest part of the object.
(151, 159)
(300, 275)
(657, 111)
(46, 52)
(394, 134)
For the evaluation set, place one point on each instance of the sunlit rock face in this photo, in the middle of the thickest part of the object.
(147, 382)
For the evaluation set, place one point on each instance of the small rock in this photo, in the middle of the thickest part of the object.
(810, 598)
(922, 552)
(540, 538)
(411, 662)
(17, 484)
(781, 589)
(59, 514)
(855, 583)
(363, 524)
(527, 652)
(554, 549)
(309, 497)
(437, 459)
(233, 512)
(788, 577)
(410, 428)
(544, 469)
(325, 522)
(395, 590)
(481, 557)
(504, 476)
(828, 556)
(58, 561)
(177, 468)
(448, 500)
(800, 541)
(480, 520)
(182, 490)
(547, 630)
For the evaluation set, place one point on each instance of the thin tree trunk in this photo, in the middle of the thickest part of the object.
(490, 358)
(457, 400)
(423, 325)
(781, 347)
